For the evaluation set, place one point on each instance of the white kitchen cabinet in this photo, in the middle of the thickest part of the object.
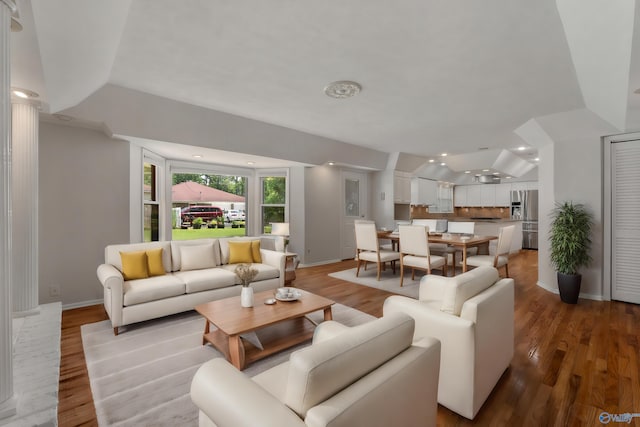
(488, 195)
(524, 185)
(424, 191)
(460, 196)
(503, 195)
(474, 195)
(401, 187)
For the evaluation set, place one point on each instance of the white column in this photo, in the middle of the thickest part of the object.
(24, 206)
(7, 400)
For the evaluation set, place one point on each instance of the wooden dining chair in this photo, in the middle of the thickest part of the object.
(414, 251)
(501, 256)
(368, 248)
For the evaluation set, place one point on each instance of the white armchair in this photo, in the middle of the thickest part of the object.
(369, 375)
(472, 315)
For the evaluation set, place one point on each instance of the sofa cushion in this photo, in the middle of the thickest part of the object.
(177, 244)
(134, 265)
(265, 272)
(152, 289)
(154, 262)
(464, 286)
(197, 257)
(112, 252)
(224, 246)
(204, 280)
(255, 251)
(323, 369)
(240, 253)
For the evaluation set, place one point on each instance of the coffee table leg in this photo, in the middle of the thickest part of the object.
(206, 331)
(236, 351)
(327, 313)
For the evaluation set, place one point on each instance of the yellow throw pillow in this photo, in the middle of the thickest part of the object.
(134, 265)
(255, 251)
(240, 252)
(154, 262)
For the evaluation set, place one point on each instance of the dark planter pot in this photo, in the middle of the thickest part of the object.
(569, 287)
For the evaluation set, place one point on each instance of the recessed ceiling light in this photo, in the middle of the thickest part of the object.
(537, 159)
(444, 154)
(342, 89)
(467, 171)
(477, 174)
(485, 170)
(508, 177)
(521, 148)
(331, 163)
(197, 156)
(251, 163)
(443, 164)
(431, 160)
(496, 173)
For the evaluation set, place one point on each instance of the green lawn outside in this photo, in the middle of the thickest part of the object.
(190, 233)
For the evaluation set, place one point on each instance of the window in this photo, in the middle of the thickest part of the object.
(151, 206)
(273, 200)
(208, 205)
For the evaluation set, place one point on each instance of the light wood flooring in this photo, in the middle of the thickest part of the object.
(571, 363)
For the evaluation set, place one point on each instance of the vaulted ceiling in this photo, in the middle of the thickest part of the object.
(437, 76)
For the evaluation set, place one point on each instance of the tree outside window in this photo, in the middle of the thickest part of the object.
(274, 199)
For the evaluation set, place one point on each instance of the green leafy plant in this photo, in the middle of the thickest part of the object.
(570, 236)
(197, 223)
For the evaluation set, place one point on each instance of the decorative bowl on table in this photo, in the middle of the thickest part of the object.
(287, 294)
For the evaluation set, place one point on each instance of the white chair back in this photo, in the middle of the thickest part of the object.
(504, 240)
(366, 236)
(414, 240)
(461, 227)
(431, 223)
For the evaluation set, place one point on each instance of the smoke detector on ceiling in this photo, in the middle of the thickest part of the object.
(342, 89)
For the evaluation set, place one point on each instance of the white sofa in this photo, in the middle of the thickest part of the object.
(472, 315)
(369, 375)
(182, 287)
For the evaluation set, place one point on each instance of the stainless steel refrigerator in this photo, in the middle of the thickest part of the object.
(524, 206)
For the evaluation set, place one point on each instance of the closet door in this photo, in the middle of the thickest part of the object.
(625, 221)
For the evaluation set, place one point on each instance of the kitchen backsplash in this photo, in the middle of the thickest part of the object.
(422, 212)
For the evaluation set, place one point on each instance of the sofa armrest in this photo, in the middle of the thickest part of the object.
(110, 277)
(113, 284)
(231, 399)
(275, 259)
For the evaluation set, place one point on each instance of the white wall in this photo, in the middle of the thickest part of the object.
(322, 212)
(382, 210)
(571, 170)
(297, 211)
(84, 206)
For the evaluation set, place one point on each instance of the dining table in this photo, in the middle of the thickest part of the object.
(458, 241)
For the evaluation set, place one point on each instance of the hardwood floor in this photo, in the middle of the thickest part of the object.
(571, 363)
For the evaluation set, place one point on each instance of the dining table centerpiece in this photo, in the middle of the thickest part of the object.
(246, 274)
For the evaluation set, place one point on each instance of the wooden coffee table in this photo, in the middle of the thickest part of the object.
(278, 326)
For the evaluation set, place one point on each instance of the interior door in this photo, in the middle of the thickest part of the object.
(354, 207)
(625, 233)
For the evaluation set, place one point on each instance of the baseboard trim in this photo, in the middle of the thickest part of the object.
(582, 295)
(313, 264)
(82, 304)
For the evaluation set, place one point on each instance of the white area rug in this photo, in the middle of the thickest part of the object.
(388, 281)
(142, 377)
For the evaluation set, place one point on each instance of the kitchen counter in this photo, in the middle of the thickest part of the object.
(489, 220)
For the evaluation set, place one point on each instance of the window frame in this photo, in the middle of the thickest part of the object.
(268, 173)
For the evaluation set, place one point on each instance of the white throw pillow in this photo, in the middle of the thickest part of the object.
(465, 286)
(197, 257)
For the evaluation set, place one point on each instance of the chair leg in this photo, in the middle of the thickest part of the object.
(506, 269)
(358, 267)
(115, 331)
(379, 268)
(401, 272)
(413, 274)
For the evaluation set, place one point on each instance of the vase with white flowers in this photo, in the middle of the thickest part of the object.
(246, 274)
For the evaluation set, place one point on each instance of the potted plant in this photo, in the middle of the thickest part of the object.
(197, 223)
(570, 236)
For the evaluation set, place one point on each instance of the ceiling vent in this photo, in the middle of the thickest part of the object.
(488, 179)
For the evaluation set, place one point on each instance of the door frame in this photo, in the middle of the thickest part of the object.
(348, 221)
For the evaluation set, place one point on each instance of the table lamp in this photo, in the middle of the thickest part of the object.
(281, 229)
